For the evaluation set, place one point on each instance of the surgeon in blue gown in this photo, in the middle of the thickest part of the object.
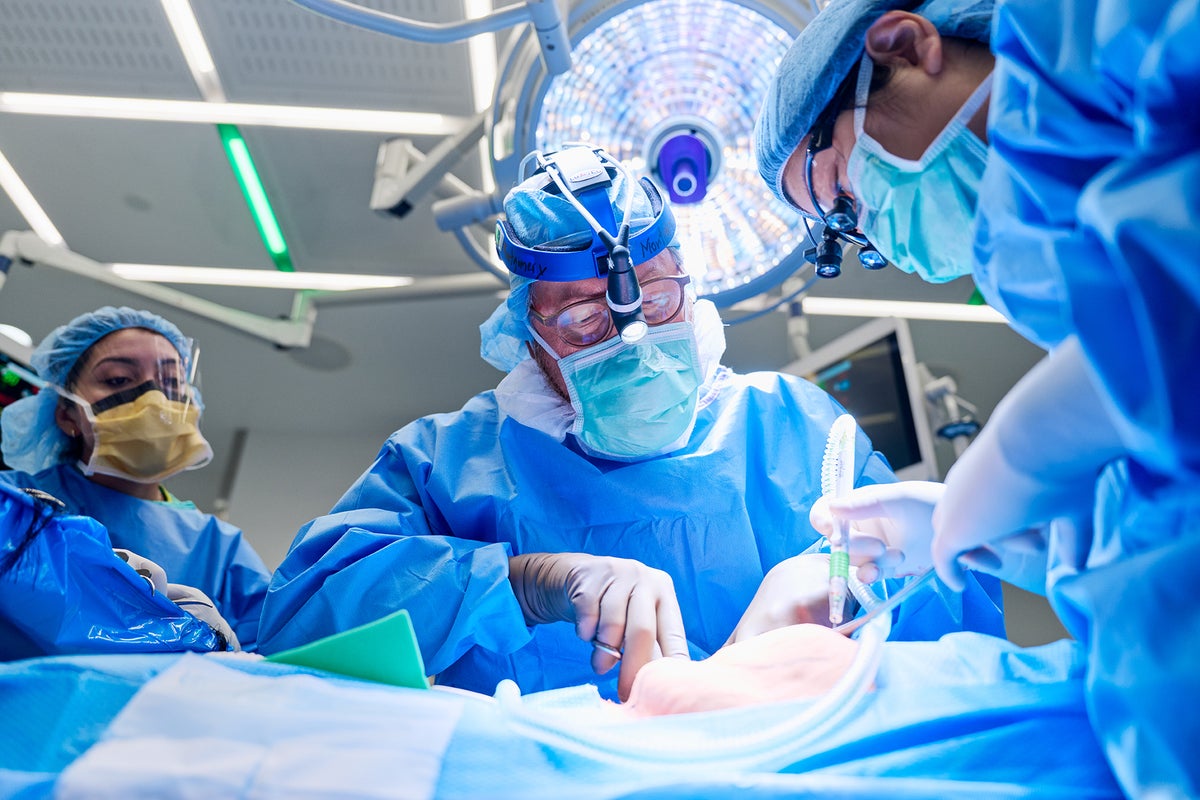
(115, 420)
(565, 516)
(1051, 150)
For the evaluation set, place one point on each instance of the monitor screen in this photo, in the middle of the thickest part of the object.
(16, 381)
(871, 372)
(870, 384)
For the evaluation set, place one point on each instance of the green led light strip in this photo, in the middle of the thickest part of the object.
(256, 196)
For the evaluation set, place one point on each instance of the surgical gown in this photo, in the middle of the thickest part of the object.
(431, 525)
(193, 548)
(1089, 226)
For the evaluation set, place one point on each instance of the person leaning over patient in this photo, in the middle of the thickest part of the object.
(1047, 148)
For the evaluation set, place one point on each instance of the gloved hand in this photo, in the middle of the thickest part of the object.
(153, 573)
(795, 591)
(891, 536)
(1036, 460)
(614, 601)
(200, 606)
(891, 526)
(1019, 559)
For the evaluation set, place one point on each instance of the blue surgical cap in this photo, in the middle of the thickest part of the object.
(822, 56)
(539, 218)
(30, 438)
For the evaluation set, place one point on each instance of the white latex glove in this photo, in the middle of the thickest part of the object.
(153, 573)
(794, 591)
(1036, 460)
(891, 535)
(622, 604)
(891, 526)
(1019, 559)
(975, 526)
(200, 606)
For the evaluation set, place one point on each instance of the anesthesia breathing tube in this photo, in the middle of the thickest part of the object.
(582, 175)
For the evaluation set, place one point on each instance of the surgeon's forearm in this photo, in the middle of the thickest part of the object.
(1054, 422)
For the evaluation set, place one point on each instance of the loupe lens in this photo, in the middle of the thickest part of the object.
(871, 258)
(842, 218)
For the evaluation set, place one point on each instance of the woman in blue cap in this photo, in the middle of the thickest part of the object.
(1049, 149)
(120, 414)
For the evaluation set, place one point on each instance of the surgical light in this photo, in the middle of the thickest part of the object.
(843, 217)
(671, 88)
(683, 156)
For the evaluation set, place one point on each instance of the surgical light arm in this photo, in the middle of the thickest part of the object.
(294, 331)
(403, 174)
(28, 247)
(547, 22)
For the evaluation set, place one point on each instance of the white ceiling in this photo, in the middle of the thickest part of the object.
(155, 192)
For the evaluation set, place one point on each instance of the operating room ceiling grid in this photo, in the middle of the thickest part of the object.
(274, 51)
(113, 47)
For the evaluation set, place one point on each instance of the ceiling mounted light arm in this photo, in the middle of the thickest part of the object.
(467, 284)
(294, 331)
(547, 22)
(29, 248)
(403, 174)
(481, 255)
(457, 214)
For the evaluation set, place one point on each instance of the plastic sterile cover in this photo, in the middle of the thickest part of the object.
(63, 590)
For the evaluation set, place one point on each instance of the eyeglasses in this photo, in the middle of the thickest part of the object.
(588, 321)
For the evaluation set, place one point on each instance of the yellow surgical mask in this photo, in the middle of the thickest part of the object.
(146, 439)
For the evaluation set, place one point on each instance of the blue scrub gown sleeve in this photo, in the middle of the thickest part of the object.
(1145, 343)
(1093, 189)
(243, 589)
(386, 546)
(1094, 169)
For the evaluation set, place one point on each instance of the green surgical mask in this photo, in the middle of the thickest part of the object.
(920, 214)
(635, 401)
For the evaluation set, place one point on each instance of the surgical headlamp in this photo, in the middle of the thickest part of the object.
(582, 176)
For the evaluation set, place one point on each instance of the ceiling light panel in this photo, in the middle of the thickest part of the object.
(663, 63)
(279, 52)
(121, 47)
(27, 205)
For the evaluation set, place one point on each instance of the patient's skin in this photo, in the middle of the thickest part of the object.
(796, 662)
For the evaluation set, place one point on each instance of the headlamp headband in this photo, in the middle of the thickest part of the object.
(585, 174)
